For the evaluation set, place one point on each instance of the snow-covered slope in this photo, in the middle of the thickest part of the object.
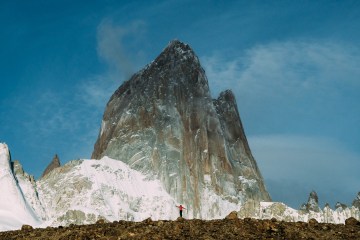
(83, 191)
(14, 209)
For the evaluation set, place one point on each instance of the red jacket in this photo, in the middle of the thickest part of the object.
(180, 207)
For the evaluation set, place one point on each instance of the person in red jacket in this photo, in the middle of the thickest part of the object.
(180, 209)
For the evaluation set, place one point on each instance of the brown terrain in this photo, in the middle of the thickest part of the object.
(229, 228)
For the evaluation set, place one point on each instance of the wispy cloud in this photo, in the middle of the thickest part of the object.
(111, 37)
(112, 44)
(288, 68)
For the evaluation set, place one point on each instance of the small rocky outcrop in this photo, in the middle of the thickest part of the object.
(351, 221)
(55, 163)
(26, 227)
(232, 215)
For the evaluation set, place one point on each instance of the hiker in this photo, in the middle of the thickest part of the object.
(180, 209)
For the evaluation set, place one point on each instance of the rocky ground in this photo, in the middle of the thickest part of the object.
(229, 228)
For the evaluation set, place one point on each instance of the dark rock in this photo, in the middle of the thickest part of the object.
(26, 227)
(313, 221)
(55, 163)
(232, 215)
(351, 221)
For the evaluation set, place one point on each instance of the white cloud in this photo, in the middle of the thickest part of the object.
(286, 69)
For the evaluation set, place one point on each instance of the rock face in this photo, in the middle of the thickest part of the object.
(55, 163)
(164, 123)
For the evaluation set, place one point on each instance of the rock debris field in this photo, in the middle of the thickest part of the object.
(229, 228)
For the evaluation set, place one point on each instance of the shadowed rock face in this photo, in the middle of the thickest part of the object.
(55, 163)
(164, 123)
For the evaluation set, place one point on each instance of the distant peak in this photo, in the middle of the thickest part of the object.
(55, 163)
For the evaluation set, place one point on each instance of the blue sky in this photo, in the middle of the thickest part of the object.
(294, 67)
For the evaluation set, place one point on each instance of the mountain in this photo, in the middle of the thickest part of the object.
(14, 209)
(55, 163)
(164, 123)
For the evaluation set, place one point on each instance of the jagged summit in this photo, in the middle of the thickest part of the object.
(55, 163)
(176, 47)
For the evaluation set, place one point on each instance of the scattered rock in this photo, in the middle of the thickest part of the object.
(193, 229)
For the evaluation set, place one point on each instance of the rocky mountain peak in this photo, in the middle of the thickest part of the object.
(313, 202)
(177, 56)
(55, 163)
(164, 123)
(180, 50)
(356, 202)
